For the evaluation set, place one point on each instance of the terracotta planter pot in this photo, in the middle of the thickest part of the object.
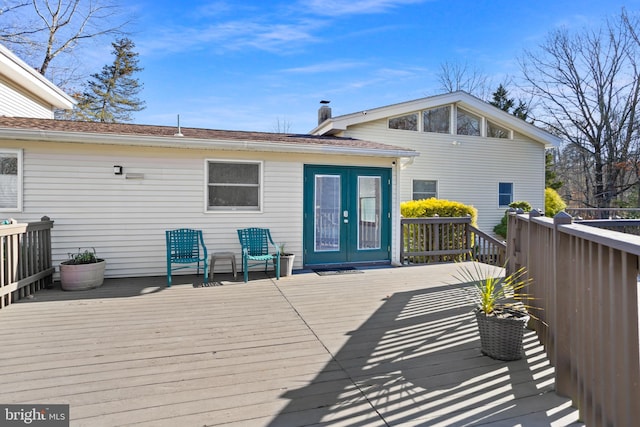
(501, 338)
(77, 277)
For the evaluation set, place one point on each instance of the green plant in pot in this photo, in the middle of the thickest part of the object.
(501, 308)
(286, 261)
(83, 270)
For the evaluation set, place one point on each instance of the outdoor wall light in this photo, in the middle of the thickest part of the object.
(117, 170)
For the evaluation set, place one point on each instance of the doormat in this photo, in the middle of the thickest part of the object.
(206, 284)
(336, 271)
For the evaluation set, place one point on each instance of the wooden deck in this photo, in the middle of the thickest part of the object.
(385, 347)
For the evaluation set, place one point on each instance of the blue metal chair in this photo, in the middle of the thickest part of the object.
(185, 246)
(255, 247)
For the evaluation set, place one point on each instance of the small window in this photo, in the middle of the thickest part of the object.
(424, 189)
(408, 122)
(10, 180)
(495, 131)
(505, 193)
(233, 186)
(437, 120)
(467, 123)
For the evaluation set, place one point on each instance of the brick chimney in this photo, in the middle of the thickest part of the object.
(324, 112)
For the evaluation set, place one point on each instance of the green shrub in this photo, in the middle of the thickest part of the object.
(501, 228)
(440, 207)
(553, 203)
(421, 237)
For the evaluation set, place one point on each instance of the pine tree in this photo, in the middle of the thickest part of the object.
(550, 177)
(111, 95)
(502, 101)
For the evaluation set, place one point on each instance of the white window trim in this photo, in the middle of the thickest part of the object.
(486, 132)
(420, 179)
(418, 124)
(18, 152)
(231, 210)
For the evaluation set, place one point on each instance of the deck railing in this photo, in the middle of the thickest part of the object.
(585, 283)
(440, 239)
(25, 254)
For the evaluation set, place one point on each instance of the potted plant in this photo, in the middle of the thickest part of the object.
(286, 262)
(500, 309)
(83, 270)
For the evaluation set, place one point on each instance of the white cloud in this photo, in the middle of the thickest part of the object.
(355, 7)
(233, 35)
(324, 67)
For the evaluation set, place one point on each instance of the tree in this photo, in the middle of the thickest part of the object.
(282, 126)
(500, 99)
(111, 94)
(550, 176)
(455, 76)
(588, 85)
(42, 30)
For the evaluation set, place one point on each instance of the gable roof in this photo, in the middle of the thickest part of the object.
(29, 129)
(469, 102)
(21, 74)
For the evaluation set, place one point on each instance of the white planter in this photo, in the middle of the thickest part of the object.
(286, 265)
(77, 277)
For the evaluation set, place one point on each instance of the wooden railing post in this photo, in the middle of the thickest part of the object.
(559, 346)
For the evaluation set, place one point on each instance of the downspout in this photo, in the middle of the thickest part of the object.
(395, 213)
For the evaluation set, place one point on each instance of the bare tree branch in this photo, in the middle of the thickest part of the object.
(589, 89)
(52, 28)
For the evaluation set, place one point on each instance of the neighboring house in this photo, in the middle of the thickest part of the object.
(470, 151)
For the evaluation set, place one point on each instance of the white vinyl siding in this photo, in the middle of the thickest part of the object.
(16, 103)
(467, 168)
(125, 219)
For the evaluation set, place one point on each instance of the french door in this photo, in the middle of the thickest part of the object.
(346, 214)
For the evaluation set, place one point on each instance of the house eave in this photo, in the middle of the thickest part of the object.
(196, 143)
(21, 74)
(341, 123)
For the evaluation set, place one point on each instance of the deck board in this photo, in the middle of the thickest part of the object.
(391, 346)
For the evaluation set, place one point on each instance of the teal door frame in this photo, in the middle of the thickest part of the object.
(347, 215)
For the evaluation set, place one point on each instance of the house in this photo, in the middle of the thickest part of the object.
(470, 151)
(118, 187)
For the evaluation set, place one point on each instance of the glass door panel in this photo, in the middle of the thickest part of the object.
(327, 213)
(369, 208)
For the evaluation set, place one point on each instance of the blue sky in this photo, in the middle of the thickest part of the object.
(247, 65)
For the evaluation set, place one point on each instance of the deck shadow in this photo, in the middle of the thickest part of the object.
(416, 362)
(135, 287)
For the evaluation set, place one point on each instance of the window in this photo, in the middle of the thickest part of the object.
(505, 193)
(495, 131)
(408, 122)
(233, 186)
(437, 120)
(424, 189)
(10, 180)
(467, 123)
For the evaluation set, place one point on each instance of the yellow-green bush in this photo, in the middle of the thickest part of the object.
(439, 236)
(553, 203)
(442, 208)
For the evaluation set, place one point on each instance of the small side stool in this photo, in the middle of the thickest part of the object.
(223, 255)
